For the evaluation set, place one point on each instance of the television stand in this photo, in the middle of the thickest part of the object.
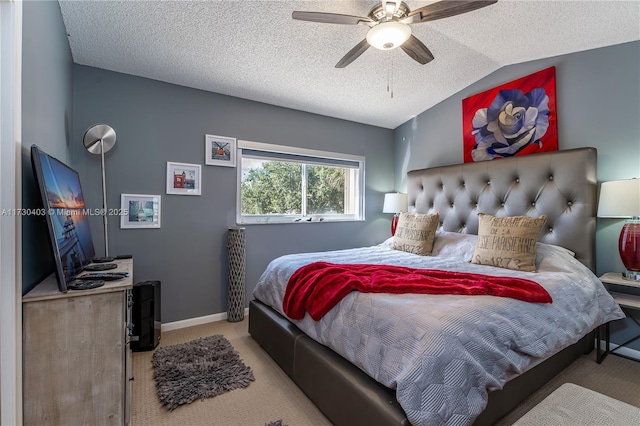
(76, 356)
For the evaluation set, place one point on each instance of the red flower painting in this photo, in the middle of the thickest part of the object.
(516, 118)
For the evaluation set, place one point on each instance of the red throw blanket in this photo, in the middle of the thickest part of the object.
(319, 286)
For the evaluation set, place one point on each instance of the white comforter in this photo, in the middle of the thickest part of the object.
(443, 353)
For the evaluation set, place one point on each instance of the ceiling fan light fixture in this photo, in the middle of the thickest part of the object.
(388, 35)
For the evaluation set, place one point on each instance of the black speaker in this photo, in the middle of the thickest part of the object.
(146, 316)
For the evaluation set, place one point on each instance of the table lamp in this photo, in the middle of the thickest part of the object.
(394, 203)
(620, 199)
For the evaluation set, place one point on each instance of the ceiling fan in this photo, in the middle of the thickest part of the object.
(389, 28)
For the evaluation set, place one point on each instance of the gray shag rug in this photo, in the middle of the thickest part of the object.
(199, 369)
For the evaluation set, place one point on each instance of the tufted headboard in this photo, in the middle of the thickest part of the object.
(561, 185)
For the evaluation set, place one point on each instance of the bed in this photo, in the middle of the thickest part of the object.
(351, 364)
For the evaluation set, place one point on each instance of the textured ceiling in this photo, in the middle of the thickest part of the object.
(254, 50)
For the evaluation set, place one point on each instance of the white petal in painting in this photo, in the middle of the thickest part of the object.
(480, 118)
(507, 119)
(494, 128)
(508, 108)
(531, 116)
(517, 134)
(544, 105)
(541, 127)
(543, 122)
(511, 123)
(480, 153)
(525, 140)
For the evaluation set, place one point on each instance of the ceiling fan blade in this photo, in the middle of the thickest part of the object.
(330, 18)
(417, 50)
(444, 9)
(353, 54)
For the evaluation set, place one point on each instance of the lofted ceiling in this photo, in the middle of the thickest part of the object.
(255, 50)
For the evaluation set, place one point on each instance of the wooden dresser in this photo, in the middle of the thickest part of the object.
(76, 355)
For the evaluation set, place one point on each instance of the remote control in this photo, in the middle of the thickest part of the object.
(107, 276)
(100, 267)
(124, 256)
(85, 284)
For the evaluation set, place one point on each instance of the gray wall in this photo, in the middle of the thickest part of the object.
(46, 120)
(598, 98)
(158, 122)
(598, 105)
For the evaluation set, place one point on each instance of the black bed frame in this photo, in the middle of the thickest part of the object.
(561, 185)
(348, 396)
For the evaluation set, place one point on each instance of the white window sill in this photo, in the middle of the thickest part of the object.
(280, 221)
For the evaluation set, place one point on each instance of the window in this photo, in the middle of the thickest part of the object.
(279, 184)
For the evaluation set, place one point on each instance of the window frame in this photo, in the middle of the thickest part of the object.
(315, 157)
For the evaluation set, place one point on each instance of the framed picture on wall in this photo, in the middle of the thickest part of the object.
(220, 151)
(515, 118)
(139, 211)
(183, 178)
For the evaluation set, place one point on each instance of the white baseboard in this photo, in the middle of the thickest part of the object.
(628, 352)
(175, 325)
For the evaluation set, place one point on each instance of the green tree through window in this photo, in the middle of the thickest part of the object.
(276, 187)
(283, 184)
(325, 189)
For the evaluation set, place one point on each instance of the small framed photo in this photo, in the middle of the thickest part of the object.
(219, 151)
(183, 178)
(139, 211)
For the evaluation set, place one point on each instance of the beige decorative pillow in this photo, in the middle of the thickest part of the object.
(508, 242)
(415, 233)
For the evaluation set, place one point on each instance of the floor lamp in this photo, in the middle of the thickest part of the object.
(99, 139)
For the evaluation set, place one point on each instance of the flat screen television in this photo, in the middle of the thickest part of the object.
(65, 213)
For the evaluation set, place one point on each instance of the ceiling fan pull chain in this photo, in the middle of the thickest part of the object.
(388, 70)
(391, 75)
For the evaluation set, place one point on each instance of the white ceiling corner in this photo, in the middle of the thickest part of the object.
(254, 50)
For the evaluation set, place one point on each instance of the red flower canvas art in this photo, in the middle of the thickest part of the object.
(516, 118)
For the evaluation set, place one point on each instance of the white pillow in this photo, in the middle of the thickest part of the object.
(454, 244)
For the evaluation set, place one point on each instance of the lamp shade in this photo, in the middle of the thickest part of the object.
(619, 199)
(388, 35)
(394, 203)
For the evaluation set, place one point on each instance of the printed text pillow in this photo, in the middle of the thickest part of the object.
(415, 233)
(508, 242)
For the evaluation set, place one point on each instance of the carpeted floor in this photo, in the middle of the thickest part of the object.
(273, 396)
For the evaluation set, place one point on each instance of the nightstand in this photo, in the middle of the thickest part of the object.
(626, 301)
